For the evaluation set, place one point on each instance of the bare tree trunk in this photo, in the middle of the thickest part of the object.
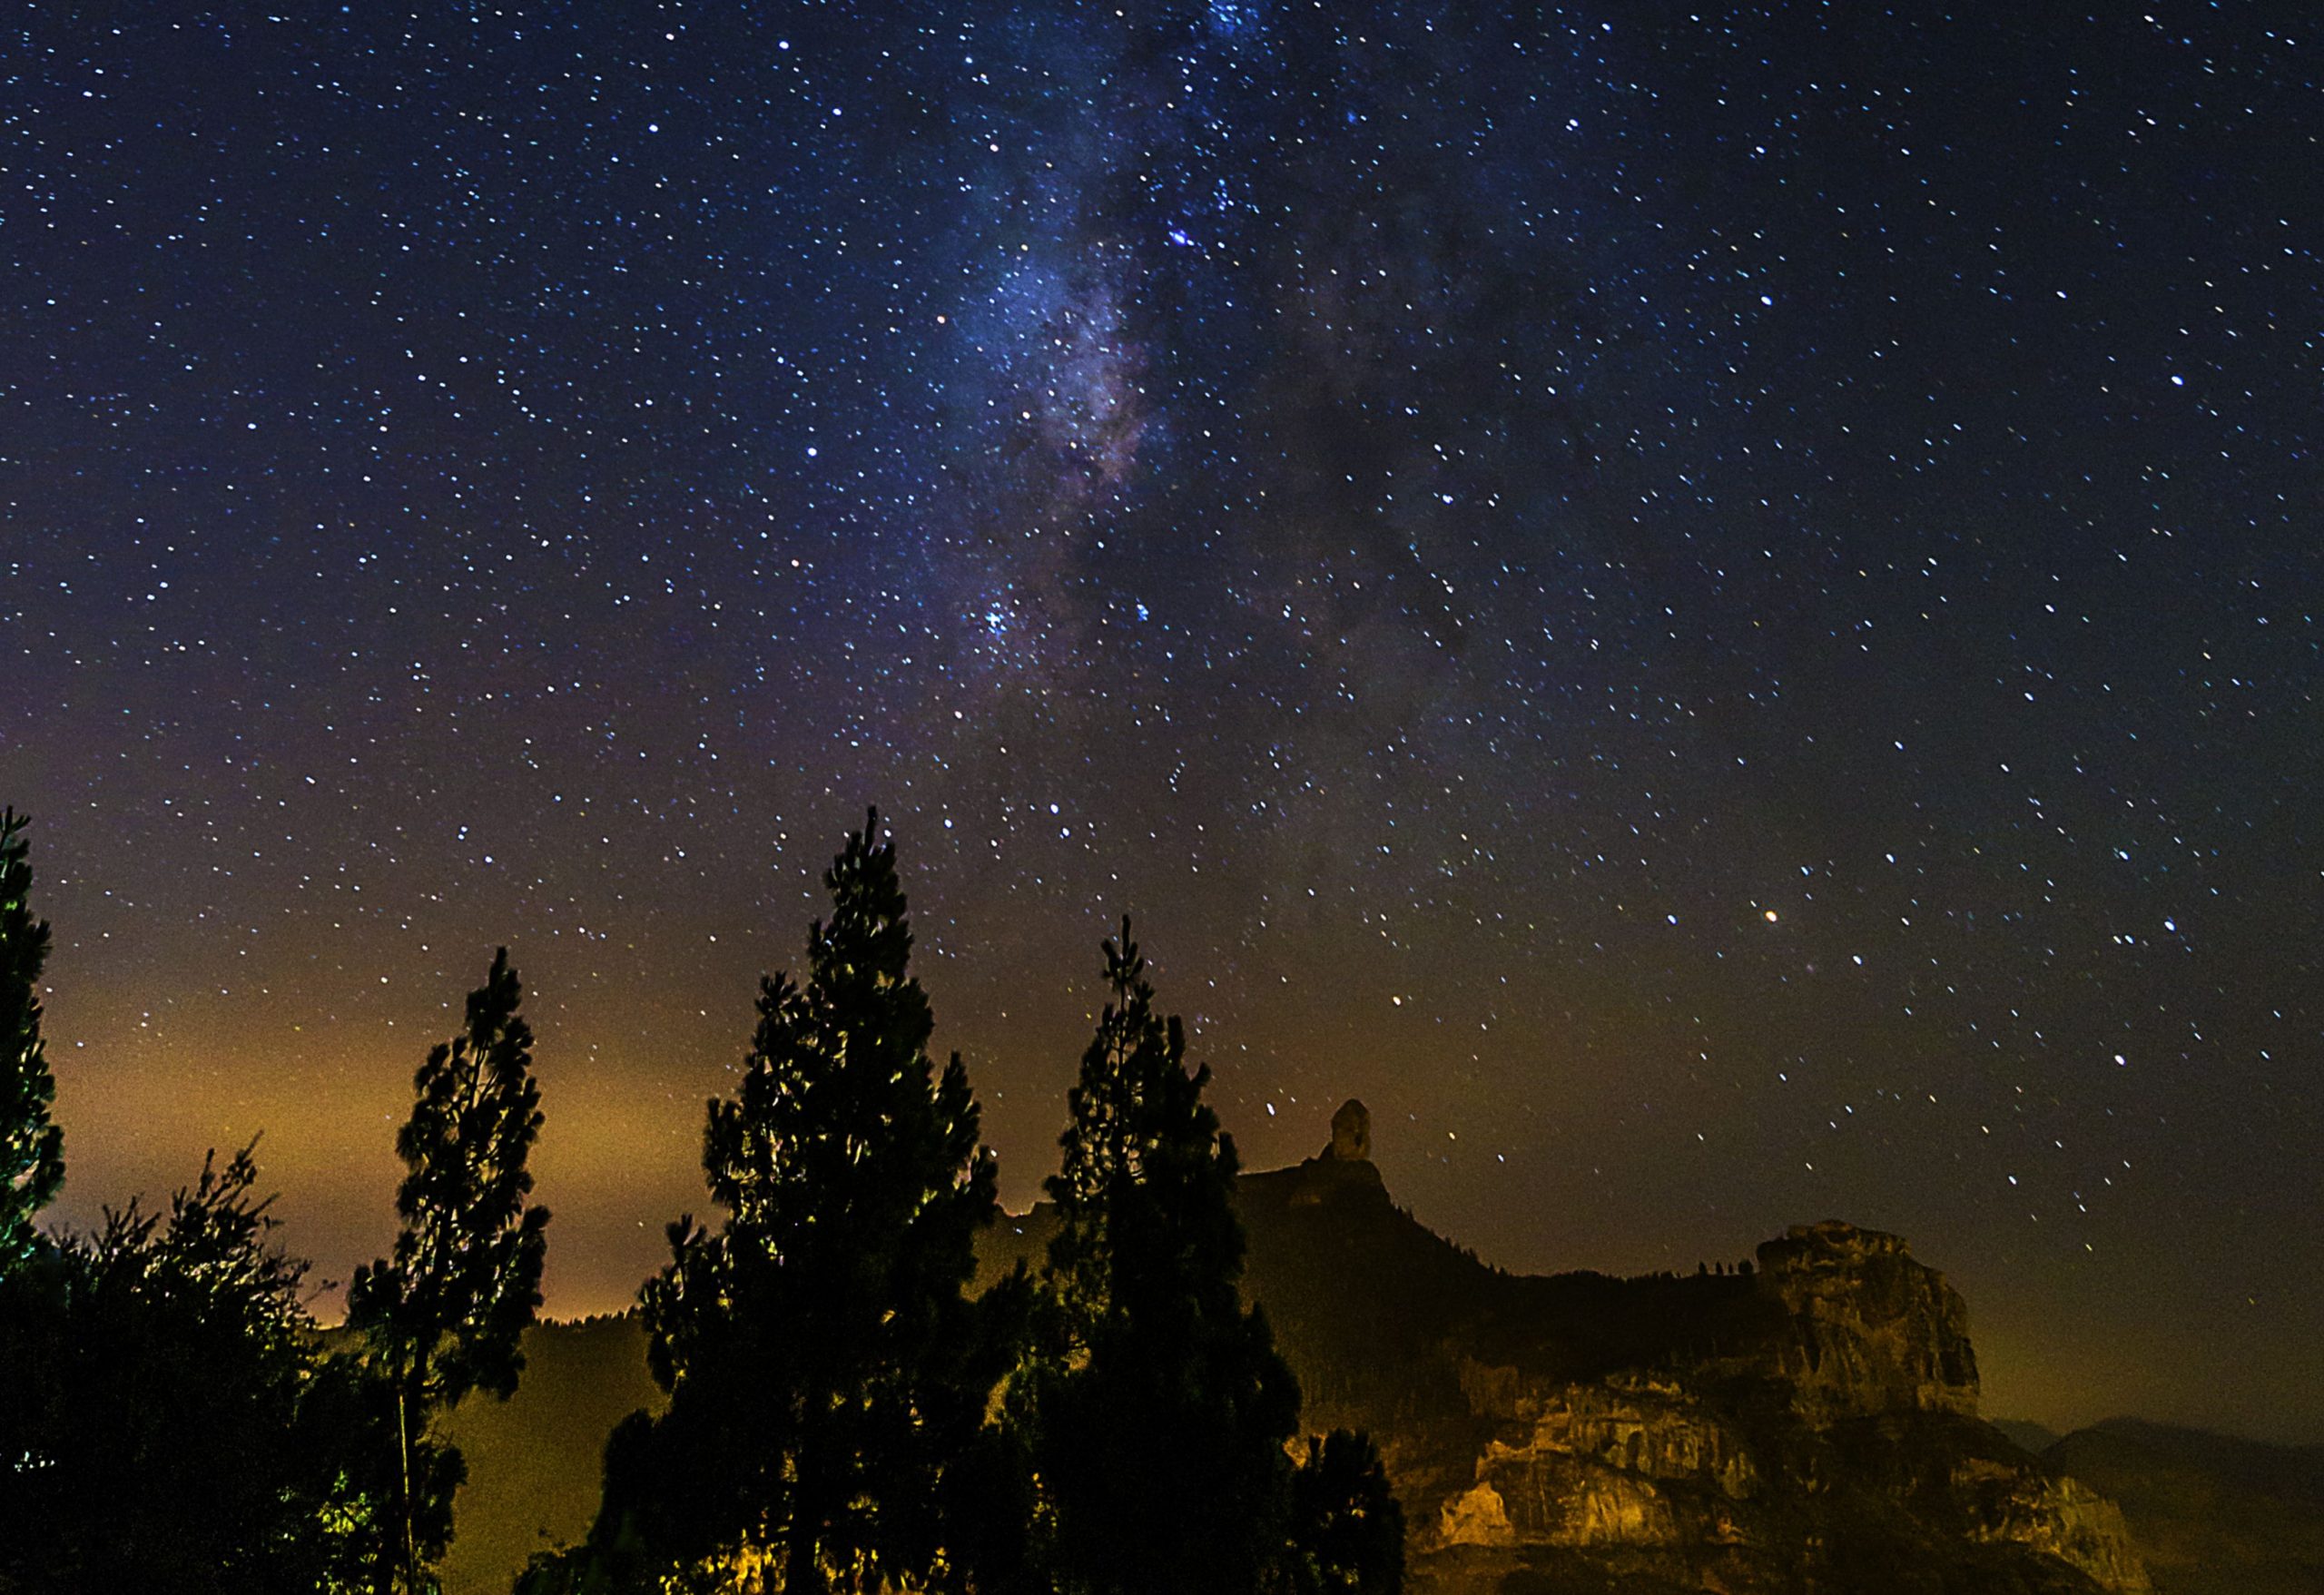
(410, 1539)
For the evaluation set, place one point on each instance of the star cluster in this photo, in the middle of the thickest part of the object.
(1715, 611)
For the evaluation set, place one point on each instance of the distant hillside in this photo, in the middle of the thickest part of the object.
(2211, 1514)
(2036, 1438)
(1805, 1417)
(534, 1460)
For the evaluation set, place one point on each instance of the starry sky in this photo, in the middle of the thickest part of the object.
(1714, 610)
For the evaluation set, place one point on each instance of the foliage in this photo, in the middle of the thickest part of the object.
(1157, 1414)
(31, 1148)
(443, 1316)
(843, 1412)
(170, 1420)
(1347, 1528)
(828, 1374)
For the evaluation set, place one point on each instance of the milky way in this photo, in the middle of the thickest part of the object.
(1715, 611)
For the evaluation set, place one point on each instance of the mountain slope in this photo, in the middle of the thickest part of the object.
(2211, 1514)
(534, 1460)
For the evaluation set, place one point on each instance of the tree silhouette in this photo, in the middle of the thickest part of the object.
(828, 1374)
(1159, 1413)
(1347, 1527)
(169, 1420)
(443, 1316)
(31, 1148)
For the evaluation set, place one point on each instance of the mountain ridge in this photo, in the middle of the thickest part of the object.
(1806, 1419)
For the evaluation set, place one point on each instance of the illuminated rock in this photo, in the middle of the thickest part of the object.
(1872, 1330)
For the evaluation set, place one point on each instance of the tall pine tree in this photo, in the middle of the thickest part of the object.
(31, 1148)
(1159, 1416)
(828, 1374)
(443, 1315)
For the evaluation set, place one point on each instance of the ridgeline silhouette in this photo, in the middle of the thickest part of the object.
(1166, 1380)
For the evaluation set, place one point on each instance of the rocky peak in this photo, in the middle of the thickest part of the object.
(1872, 1329)
(1351, 1134)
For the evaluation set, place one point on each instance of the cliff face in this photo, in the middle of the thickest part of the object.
(1622, 1464)
(1813, 1427)
(1633, 1424)
(1805, 1424)
(2056, 1515)
(1870, 1330)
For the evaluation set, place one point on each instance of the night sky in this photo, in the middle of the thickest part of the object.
(1716, 612)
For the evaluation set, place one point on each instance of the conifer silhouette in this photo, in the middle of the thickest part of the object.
(828, 1374)
(32, 1148)
(443, 1315)
(1159, 1415)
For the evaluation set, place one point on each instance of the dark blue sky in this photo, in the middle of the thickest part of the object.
(1716, 610)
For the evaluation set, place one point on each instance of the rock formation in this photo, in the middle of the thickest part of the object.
(1871, 1330)
(2057, 1515)
(1636, 1423)
(1809, 1424)
(1806, 1427)
(1820, 1433)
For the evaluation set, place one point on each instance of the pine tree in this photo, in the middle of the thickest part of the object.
(1158, 1419)
(828, 1375)
(31, 1148)
(443, 1316)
